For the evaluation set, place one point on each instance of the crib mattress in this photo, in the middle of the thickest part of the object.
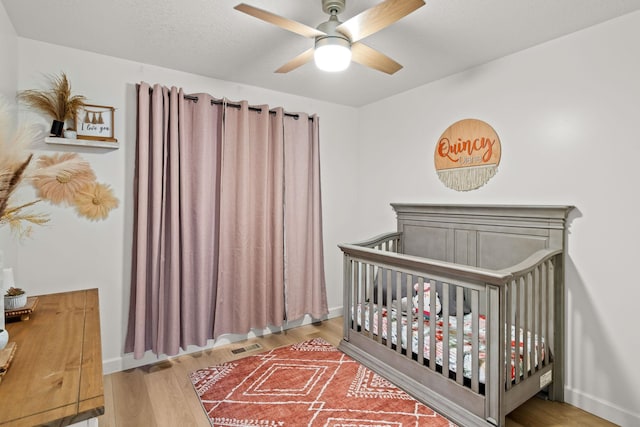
(453, 345)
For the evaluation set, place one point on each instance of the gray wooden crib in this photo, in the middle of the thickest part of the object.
(497, 270)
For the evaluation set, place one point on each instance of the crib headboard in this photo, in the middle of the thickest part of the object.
(487, 236)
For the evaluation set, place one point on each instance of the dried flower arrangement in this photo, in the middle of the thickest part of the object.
(60, 179)
(57, 102)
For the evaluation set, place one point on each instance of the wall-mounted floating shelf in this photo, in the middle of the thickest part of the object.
(81, 142)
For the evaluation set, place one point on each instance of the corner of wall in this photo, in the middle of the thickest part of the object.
(602, 409)
(9, 55)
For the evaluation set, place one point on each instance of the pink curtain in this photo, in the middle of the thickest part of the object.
(176, 224)
(251, 268)
(304, 266)
(228, 225)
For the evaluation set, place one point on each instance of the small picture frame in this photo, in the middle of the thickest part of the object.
(95, 122)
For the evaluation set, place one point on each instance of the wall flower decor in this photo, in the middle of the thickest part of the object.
(60, 179)
(94, 201)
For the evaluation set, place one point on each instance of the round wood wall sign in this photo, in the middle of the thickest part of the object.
(467, 155)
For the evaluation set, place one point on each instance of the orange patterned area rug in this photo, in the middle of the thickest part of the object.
(307, 384)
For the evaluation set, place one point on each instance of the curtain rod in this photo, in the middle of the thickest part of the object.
(235, 105)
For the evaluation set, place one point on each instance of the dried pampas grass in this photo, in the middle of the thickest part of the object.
(57, 102)
(58, 178)
(95, 201)
(20, 221)
(16, 134)
(14, 160)
(10, 177)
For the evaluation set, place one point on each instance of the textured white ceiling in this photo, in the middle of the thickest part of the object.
(209, 37)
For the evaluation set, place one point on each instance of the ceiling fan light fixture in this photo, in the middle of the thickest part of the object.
(332, 53)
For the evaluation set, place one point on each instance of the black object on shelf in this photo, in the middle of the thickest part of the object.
(56, 128)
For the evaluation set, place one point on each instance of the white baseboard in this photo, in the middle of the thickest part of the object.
(127, 361)
(601, 408)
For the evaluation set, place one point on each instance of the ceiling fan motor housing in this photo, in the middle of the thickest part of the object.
(332, 35)
(332, 49)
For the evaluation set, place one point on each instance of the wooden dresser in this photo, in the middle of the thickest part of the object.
(55, 378)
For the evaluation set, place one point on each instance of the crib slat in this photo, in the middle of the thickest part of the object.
(432, 328)
(390, 274)
(408, 338)
(399, 318)
(354, 295)
(409, 334)
(387, 272)
(372, 310)
(528, 325)
(495, 355)
(459, 335)
(420, 320)
(445, 328)
(348, 298)
(530, 337)
(549, 334)
(398, 308)
(536, 335)
(369, 299)
(362, 298)
(511, 315)
(475, 340)
(544, 315)
(521, 328)
(519, 302)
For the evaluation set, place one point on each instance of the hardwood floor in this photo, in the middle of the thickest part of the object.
(161, 395)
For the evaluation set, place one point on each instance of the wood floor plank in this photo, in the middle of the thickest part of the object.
(540, 412)
(181, 369)
(132, 406)
(108, 419)
(166, 396)
(162, 395)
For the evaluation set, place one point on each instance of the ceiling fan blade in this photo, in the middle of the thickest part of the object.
(296, 62)
(376, 18)
(363, 54)
(287, 24)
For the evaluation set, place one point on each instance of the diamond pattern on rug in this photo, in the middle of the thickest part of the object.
(369, 384)
(207, 378)
(285, 379)
(307, 384)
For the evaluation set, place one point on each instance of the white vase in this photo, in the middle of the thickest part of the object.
(4, 338)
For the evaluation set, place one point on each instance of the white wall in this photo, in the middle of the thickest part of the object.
(8, 87)
(9, 55)
(567, 114)
(72, 253)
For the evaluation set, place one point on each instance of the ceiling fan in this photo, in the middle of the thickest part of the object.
(338, 43)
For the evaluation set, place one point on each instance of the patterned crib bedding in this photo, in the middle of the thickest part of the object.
(439, 335)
